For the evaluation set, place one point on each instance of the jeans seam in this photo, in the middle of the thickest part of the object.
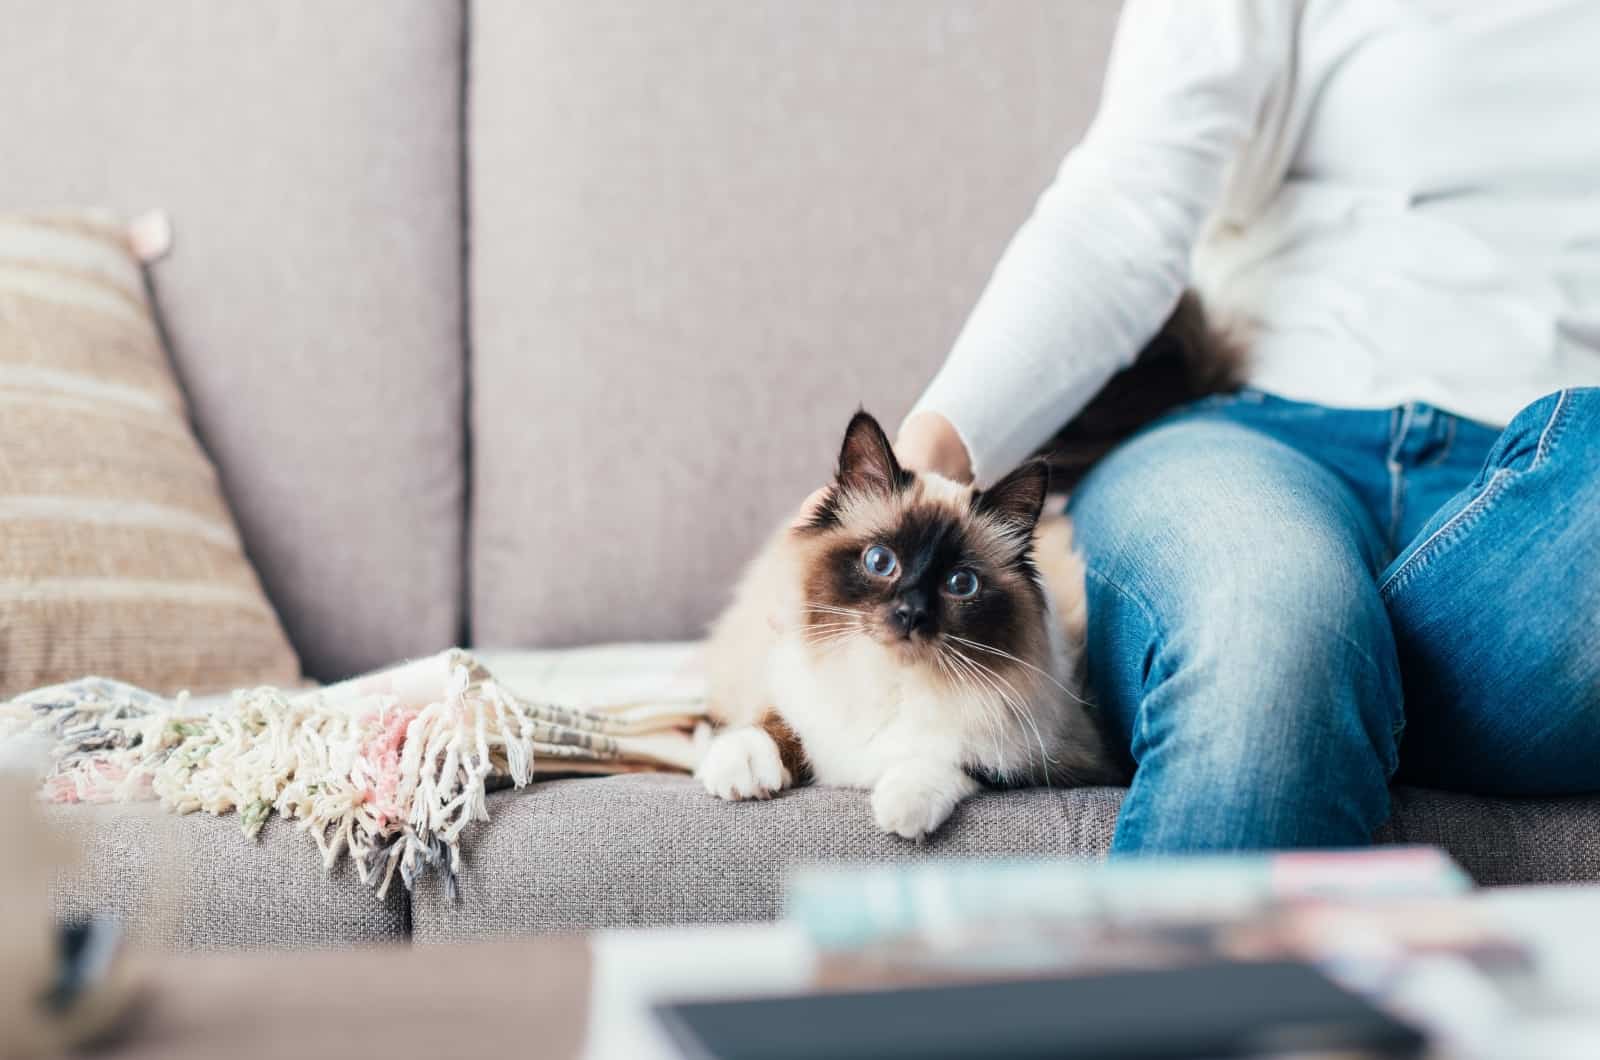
(1449, 442)
(1350, 642)
(1476, 508)
(1397, 727)
(1140, 717)
(1128, 594)
(1453, 528)
(1397, 486)
(1552, 429)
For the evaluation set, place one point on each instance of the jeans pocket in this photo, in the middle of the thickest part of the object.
(1437, 538)
(1529, 436)
(1521, 448)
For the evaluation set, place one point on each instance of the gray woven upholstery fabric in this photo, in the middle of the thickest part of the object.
(574, 855)
(702, 235)
(650, 849)
(308, 153)
(197, 882)
(1502, 841)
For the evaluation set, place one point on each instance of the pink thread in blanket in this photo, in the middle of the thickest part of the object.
(60, 788)
(91, 780)
(380, 755)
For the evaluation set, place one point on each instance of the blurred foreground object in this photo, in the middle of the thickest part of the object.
(58, 985)
(939, 903)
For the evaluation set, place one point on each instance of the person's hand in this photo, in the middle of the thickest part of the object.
(928, 442)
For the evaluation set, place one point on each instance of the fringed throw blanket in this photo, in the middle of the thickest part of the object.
(388, 769)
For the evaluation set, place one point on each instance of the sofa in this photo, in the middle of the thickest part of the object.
(517, 325)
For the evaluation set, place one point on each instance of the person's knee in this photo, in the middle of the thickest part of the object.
(1212, 511)
(1287, 739)
(1256, 674)
(1232, 606)
(1260, 698)
(1225, 530)
(1255, 697)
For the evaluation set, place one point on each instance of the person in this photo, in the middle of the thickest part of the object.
(1394, 528)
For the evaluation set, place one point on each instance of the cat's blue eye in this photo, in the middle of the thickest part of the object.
(961, 584)
(879, 561)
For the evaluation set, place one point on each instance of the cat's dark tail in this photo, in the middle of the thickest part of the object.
(1187, 359)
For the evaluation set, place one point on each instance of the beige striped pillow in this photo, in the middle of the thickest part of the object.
(118, 555)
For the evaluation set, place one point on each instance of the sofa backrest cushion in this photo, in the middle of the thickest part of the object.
(702, 235)
(308, 152)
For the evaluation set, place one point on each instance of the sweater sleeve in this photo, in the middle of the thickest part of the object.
(1095, 270)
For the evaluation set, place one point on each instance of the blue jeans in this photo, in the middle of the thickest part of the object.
(1277, 590)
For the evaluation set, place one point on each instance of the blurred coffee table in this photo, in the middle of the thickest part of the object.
(591, 996)
(526, 998)
(556, 997)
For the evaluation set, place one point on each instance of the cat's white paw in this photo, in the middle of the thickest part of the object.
(913, 801)
(743, 764)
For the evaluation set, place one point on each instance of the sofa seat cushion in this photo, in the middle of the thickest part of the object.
(648, 850)
(197, 883)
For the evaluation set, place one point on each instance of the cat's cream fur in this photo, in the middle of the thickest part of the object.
(799, 689)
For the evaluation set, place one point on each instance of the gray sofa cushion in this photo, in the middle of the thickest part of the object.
(573, 855)
(1502, 841)
(701, 236)
(308, 152)
(197, 882)
(651, 849)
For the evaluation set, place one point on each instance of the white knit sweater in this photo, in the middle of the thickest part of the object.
(1399, 199)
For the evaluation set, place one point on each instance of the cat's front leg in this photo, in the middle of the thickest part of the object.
(744, 762)
(912, 799)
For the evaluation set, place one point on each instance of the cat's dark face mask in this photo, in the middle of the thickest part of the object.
(919, 564)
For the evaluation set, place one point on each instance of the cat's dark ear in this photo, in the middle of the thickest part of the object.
(1019, 497)
(866, 460)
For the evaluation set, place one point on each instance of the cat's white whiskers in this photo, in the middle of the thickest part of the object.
(826, 634)
(1013, 701)
(1027, 716)
(825, 638)
(987, 712)
(990, 695)
(829, 609)
(992, 650)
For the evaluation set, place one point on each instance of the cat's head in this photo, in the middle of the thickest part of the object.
(924, 566)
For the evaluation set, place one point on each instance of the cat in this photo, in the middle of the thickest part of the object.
(920, 638)
(907, 636)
